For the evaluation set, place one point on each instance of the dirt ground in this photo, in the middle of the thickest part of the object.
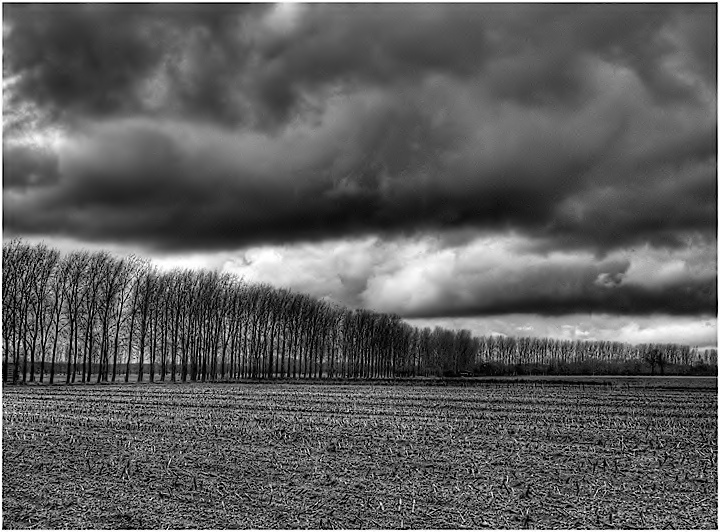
(531, 454)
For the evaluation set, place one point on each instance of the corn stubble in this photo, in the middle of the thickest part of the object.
(514, 455)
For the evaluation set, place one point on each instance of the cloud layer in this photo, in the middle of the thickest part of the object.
(590, 127)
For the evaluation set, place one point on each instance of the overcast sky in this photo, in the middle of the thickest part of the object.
(533, 170)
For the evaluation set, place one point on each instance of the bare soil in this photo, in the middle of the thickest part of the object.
(527, 454)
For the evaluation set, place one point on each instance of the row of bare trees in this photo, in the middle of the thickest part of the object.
(96, 317)
(545, 351)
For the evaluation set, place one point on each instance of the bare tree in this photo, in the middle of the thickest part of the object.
(137, 288)
(58, 299)
(78, 263)
(43, 304)
(126, 283)
(96, 271)
(14, 258)
(109, 287)
(146, 287)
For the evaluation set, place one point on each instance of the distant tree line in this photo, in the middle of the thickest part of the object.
(94, 317)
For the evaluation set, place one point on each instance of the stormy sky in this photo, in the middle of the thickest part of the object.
(533, 170)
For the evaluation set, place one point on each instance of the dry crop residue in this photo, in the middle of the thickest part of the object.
(512, 455)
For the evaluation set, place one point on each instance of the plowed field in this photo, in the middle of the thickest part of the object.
(496, 455)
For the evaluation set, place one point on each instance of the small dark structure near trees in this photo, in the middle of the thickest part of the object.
(655, 357)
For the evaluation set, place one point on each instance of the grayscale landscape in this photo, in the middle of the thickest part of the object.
(359, 266)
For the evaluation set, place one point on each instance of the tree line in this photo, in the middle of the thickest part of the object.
(90, 316)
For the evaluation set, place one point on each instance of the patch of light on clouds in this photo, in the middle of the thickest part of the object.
(694, 332)
(335, 270)
(283, 17)
(188, 262)
(652, 267)
(50, 139)
(184, 261)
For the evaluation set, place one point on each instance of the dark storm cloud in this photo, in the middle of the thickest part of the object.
(693, 298)
(95, 57)
(582, 126)
(26, 166)
(532, 53)
(84, 56)
(369, 44)
(101, 60)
